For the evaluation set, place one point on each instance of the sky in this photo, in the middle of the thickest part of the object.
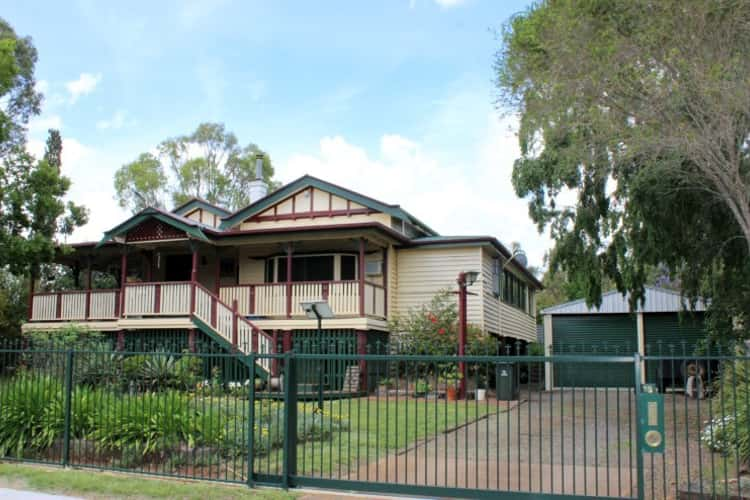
(392, 98)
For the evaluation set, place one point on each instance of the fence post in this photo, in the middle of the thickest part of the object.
(251, 424)
(67, 397)
(638, 437)
(290, 419)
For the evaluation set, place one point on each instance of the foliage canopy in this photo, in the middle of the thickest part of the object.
(640, 112)
(208, 163)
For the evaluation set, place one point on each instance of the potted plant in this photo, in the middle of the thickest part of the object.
(384, 385)
(421, 388)
(451, 377)
(481, 393)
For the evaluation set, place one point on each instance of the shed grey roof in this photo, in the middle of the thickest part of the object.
(657, 300)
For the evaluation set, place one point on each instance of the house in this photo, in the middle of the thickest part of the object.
(665, 324)
(239, 278)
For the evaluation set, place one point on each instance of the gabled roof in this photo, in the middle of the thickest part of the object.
(192, 228)
(310, 181)
(443, 241)
(657, 300)
(196, 202)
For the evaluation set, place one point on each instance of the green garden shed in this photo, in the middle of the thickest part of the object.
(664, 324)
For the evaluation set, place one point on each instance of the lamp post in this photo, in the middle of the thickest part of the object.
(318, 310)
(465, 279)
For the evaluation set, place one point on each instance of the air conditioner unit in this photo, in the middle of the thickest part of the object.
(374, 268)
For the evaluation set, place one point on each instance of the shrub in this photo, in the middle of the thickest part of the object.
(30, 416)
(161, 371)
(432, 329)
(730, 429)
(149, 423)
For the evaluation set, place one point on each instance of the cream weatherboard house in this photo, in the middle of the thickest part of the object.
(239, 278)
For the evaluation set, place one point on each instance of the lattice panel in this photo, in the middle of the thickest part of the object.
(154, 229)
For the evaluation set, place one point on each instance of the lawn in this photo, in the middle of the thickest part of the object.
(371, 428)
(88, 484)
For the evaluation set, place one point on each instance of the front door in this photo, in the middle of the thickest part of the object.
(178, 267)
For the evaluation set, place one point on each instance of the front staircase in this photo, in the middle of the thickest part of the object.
(225, 325)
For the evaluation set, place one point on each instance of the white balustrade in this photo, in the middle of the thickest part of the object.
(139, 299)
(374, 300)
(305, 292)
(203, 302)
(242, 294)
(270, 300)
(103, 305)
(44, 307)
(73, 306)
(175, 298)
(343, 298)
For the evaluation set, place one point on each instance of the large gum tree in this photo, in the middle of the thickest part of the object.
(639, 111)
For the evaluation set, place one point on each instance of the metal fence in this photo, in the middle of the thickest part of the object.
(216, 416)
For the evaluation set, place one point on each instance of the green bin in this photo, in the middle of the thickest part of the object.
(506, 379)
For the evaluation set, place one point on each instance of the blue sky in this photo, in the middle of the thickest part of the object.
(391, 98)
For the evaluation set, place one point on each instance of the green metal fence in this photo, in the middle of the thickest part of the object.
(415, 433)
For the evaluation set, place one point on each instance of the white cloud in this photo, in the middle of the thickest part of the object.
(118, 120)
(473, 196)
(85, 84)
(447, 4)
(43, 123)
(193, 12)
(91, 172)
(42, 86)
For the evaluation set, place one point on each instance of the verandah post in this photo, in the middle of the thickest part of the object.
(289, 280)
(290, 419)
(123, 279)
(67, 397)
(191, 340)
(193, 279)
(87, 313)
(361, 276)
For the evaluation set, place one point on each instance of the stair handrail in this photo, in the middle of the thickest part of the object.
(235, 316)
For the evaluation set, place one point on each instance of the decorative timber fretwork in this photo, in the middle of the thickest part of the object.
(153, 229)
(311, 203)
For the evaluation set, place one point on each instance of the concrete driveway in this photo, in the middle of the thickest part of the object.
(573, 442)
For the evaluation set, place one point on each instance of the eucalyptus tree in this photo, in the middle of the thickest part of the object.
(640, 112)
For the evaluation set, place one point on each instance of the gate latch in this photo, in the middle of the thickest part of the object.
(651, 419)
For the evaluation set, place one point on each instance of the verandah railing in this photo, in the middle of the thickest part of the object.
(156, 299)
(76, 305)
(173, 299)
(96, 408)
(284, 299)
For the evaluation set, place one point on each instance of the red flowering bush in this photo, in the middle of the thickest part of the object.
(433, 329)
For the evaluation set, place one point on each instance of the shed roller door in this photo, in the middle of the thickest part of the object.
(604, 335)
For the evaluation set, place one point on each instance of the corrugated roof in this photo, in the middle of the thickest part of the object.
(656, 300)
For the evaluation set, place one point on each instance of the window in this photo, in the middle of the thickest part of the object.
(348, 267)
(305, 268)
(514, 291)
(496, 285)
(270, 270)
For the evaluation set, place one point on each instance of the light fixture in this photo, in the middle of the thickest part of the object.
(318, 309)
(470, 277)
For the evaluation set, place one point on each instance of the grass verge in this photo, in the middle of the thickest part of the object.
(94, 484)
